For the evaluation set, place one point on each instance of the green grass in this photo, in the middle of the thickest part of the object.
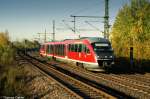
(11, 81)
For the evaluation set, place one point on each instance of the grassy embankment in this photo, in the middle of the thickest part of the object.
(9, 84)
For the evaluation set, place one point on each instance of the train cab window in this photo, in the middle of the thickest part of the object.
(101, 46)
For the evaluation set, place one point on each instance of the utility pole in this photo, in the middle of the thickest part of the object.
(74, 24)
(39, 36)
(53, 30)
(106, 20)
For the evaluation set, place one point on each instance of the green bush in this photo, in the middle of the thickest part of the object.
(7, 52)
(9, 83)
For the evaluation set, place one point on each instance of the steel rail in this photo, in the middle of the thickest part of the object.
(70, 92)
(79, 87)
(117, 84)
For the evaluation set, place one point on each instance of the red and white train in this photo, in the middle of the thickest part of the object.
(92, 53)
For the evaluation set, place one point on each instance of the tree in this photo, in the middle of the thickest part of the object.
(132, 28)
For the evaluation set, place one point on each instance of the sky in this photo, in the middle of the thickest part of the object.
(24, 19)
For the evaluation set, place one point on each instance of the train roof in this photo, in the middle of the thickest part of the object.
(95, 39)
(90, 39)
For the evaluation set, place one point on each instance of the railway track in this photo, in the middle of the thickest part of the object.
(58, 85)
(129, 87)
(147, 75)
(79, 88)
(73, 71)
(137, 88)
(133, 88)
(138, 78)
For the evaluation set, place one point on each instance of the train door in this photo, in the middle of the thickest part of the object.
(86, 54)
(80, 53)
(83, 53)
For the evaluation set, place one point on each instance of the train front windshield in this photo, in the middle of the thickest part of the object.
(103, 50)
(102, 47)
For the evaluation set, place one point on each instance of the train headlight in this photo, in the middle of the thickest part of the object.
(110, 56)
(97, 56)
(105, 56)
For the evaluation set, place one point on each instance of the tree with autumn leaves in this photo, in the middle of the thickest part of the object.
(132, 29)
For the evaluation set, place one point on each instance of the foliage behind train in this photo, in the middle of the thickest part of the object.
(132, 29)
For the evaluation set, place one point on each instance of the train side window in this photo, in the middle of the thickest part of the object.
(64, 50)
(72, 47)
(59, 48)
(76, 47)
(47, 48)
(52, 49)
(69, 47)
(56, 49)
(83, 48)
(87, 50)
(79, 47)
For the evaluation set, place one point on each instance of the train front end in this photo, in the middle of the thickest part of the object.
(104, 54)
